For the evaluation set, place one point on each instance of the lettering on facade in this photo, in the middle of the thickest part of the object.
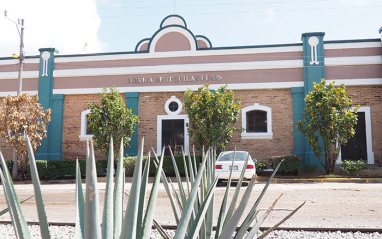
(173, 79)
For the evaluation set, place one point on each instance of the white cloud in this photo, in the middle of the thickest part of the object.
(65, 25)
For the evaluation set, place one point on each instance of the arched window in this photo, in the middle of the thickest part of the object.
(256, 122)
(85, 133)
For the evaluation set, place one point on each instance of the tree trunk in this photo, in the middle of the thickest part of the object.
(331, 158)
(15, 165)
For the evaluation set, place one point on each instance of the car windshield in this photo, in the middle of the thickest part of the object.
(240, 156)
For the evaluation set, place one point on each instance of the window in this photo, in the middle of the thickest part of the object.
(173, 106)
(85, 132)
(257, 122)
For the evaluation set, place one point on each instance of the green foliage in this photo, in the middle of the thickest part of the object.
(291, 164)
(328, 116)
(51, 169)
(194, 214)
(311, 168)
(260, 166)
(111, 118)
(213, 115)
(193, 203)
(352, 167)
(168, 168)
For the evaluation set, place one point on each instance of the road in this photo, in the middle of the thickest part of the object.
(329, 204)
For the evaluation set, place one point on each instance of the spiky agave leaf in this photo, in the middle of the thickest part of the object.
(92, 226)
(149, 216)
(43, 220)
(166, 185)
(249, 218)
(223, 207)
(189, 208)
(129, 228)
(142, 197)
(230, 226)
(2, 212)
(252, 233)
(194, 230)
(232, 206)
(108, 206)
(80, 204)
(119, 193)
(18, 219)
(179, 179)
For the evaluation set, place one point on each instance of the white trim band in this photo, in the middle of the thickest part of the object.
(240, 86)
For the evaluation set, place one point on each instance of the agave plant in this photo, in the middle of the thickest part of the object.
(135, 223)
(192, 206)
(194, 214)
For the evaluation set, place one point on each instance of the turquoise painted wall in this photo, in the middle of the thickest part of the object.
(132, 99)
(51, 146)
(314, 71)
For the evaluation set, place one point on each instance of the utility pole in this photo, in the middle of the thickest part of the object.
(21, 58)
(20, 30)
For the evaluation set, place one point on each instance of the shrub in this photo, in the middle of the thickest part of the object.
(260, 166)
(291, 163)
(50, 169)
(168, 167)
(352, 167)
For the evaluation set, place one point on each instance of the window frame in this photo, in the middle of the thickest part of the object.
(256, 135)
(83, 136)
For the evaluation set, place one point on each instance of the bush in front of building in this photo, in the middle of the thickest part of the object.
(109, 119)
(352, 168)
(291, 164)
(260, 166)
(52, 169)
(168, 167)
(213, 116)
(328, 118)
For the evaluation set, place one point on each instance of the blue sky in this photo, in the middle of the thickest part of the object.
(117, 26)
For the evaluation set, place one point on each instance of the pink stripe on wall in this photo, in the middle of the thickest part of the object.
(12, 84)
(353, 72)
(173, 79)
(374, 51)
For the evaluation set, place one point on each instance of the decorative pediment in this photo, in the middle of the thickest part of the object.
(173, 35)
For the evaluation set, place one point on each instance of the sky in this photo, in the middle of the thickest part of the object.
(97, 26)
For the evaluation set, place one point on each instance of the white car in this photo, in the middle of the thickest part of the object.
(224, 162)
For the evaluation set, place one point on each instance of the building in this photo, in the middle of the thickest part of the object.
(272, 81)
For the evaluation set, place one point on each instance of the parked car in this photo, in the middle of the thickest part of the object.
(224, 162)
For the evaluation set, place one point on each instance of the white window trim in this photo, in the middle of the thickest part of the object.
(168, 102)
(83, 136)
(256, 106)
(369, 139)
(159, 131)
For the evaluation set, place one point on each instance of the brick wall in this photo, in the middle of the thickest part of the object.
(72, 147)
(280, 101)
(150, 105)
(371, 96)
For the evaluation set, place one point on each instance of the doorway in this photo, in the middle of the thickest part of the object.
(356, 147)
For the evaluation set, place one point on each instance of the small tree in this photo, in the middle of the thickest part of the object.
(212, 116)
(22, 116)
(111, 119)
(328, 116)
